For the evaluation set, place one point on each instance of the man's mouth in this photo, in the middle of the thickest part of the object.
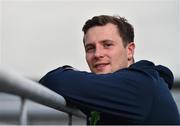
(100, 66)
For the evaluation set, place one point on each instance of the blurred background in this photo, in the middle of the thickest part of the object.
(37, 36)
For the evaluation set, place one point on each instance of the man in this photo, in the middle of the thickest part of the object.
(118, 91)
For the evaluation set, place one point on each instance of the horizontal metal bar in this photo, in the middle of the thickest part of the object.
(14, 83)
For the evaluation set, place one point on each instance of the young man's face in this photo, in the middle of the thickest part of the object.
(105, 52)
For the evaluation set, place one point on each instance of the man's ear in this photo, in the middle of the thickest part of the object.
(130, 50)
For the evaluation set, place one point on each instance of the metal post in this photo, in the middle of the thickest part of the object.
(14, 83)
(69, 119)
(23, 112)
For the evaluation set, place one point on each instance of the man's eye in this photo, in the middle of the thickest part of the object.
(108, 45)
(89, 49)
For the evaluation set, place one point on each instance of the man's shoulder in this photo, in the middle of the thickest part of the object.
(156, 71)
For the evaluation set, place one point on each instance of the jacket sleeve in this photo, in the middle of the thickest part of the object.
(125, 93)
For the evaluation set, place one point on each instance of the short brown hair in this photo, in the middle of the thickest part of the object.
(126, 30)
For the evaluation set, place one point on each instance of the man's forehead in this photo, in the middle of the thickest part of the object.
(101, 33)
(107, 27)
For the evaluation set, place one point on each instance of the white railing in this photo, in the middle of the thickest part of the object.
(13, 83)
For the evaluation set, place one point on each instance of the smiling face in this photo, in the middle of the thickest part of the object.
(105, 52)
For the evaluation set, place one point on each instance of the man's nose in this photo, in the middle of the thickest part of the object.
(99, 52)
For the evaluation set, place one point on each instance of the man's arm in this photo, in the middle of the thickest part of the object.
(125, 93)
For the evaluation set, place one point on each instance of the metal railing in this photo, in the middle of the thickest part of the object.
(14, 83)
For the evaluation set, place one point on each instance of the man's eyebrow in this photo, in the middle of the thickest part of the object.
(106, 40)
(102, 41)
(89, 44)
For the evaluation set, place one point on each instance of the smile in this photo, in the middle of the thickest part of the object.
(101, 66)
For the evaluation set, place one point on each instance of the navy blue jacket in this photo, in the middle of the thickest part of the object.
(138, 94)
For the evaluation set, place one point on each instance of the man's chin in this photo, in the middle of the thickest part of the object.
(102, 72)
